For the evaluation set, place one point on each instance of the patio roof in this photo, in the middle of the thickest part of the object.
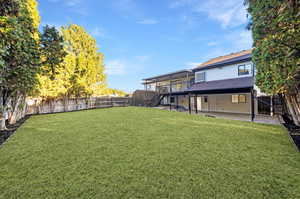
(220, 86)
(166, 76)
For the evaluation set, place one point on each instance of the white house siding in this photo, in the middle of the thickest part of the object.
(225, 72)
(223, 103)
(216, 103)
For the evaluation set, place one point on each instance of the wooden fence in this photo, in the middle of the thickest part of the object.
(58, 106)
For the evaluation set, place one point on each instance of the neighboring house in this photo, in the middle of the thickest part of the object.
(223, 84)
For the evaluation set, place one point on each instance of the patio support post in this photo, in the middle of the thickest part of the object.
(190, 111)
(187, 80)
(196, 103)
(272, 106)
(170, 90)
(252, 106)
(177, 102)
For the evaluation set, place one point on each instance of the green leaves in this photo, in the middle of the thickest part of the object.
(81, 69)
(19, 54)
(276, 31)
(9, 7)
(52, 50)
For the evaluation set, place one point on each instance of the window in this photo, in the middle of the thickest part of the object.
(205, 99)
(244, 69)
(238, 99)
(172, 100)
(200, 77)
(242, 98)
(235, 99)
(150, 87)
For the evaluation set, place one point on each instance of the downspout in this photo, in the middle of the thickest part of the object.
(190, 111)
(253, 95)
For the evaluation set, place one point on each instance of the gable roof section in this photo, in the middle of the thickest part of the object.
(233, 58)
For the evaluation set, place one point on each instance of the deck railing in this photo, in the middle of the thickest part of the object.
(176, 87)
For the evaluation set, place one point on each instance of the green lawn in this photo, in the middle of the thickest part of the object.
(147, 153)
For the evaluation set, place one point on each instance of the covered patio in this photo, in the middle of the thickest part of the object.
(259, 118)
(233, 96)
(265, 119)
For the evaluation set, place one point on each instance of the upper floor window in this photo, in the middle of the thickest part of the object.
(200, 77)
(244, 69)
(150, 87)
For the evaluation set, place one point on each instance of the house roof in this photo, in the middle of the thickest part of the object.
(232, 58)
(228, 84)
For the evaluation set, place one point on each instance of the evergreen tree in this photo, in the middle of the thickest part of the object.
(275, 26)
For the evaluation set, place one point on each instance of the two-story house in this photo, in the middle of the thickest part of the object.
(224, 84)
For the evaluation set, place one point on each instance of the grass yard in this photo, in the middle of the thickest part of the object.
(147, 153)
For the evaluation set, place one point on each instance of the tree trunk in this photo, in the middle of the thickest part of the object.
(293, 108)
(4, 99)
(65, 102)
(18, 105)
(296, 107)
(2, 114)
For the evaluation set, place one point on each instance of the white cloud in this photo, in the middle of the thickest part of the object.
(240, 40)
(99, 32)
(76, 6)
(212, 43)
(148, 21)
(143, 58)
(115, 67)
(229, 13)
(126, 8)
(180, 3)
(126, 65)
(70, 3)
(191, 65)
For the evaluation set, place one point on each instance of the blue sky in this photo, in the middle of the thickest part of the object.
(143, 38)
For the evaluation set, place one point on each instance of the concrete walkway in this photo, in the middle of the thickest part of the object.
(265, 119)
(244, 117)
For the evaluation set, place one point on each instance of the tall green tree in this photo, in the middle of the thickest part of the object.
(19, 54)
(275, 25)
(23, 55)
(81, 74)
(52, 51)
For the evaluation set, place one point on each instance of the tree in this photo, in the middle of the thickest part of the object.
(275, 25)
(52, 50)
(83, 62)
(23, 55)
(115, 92)
(34, 13)
(19, 54)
